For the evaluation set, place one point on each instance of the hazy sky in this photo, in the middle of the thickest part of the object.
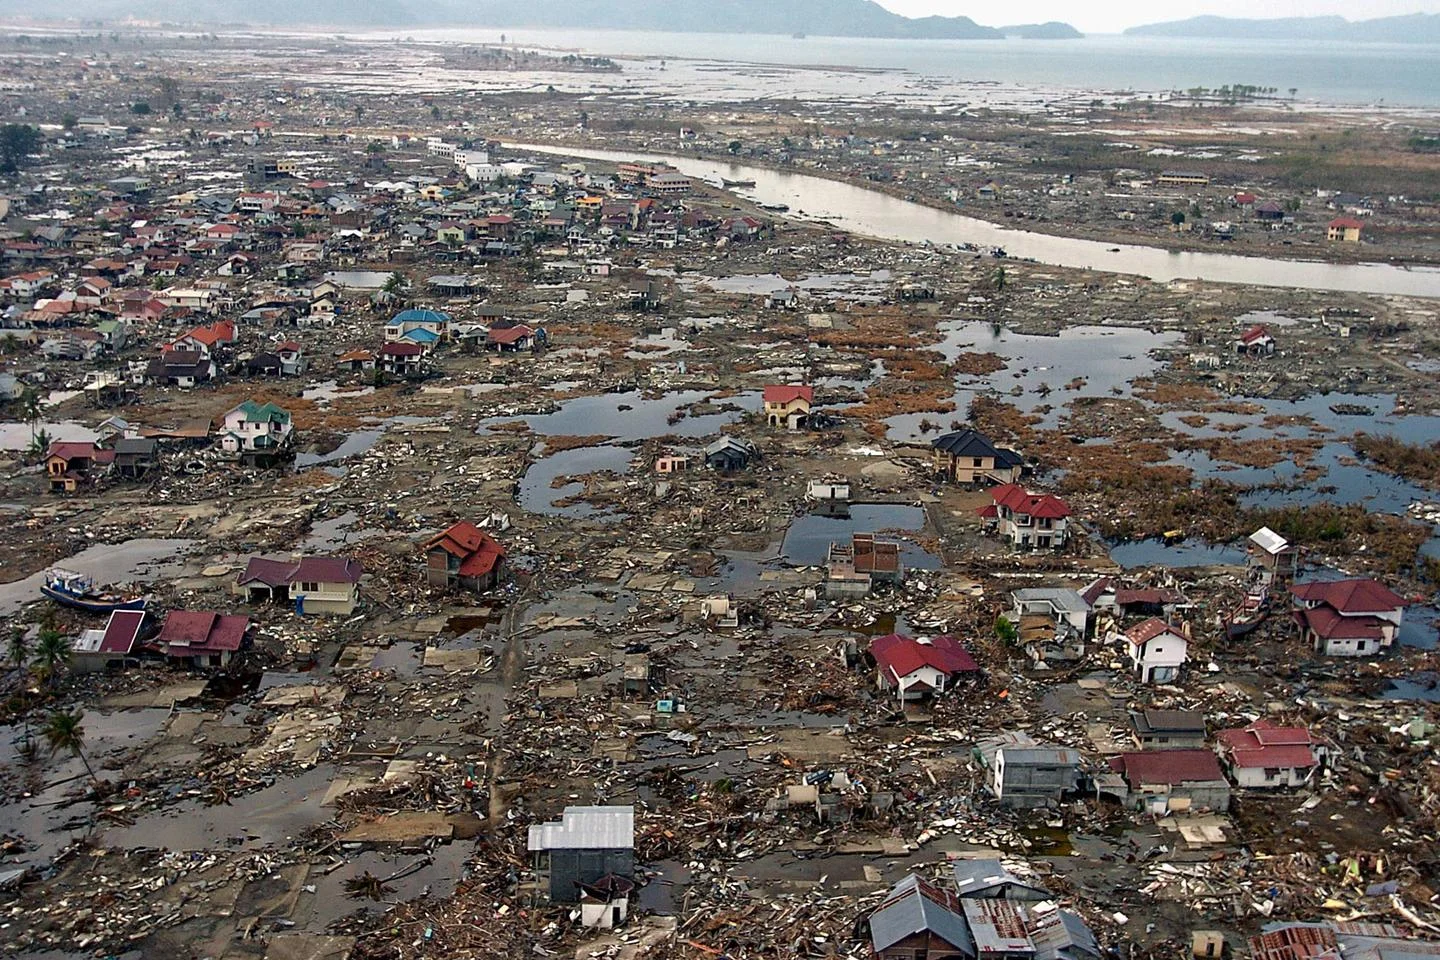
(1112, 16)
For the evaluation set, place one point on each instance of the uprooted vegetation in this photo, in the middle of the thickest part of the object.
(1419, 462)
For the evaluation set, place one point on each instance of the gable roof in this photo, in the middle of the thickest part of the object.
(1172, 767)
(1269, 541)
(420, 315)
(972, 443)
(1255, 334)
(190, 632)
(1143, 633)
(122, 631)
(1350, 597)
(260, 412)
(787, 394)
(317, 569)
(1263, 744)
(900, 656)
(477, 551)
(1330, 625)
(914, 906)
(1019, 500)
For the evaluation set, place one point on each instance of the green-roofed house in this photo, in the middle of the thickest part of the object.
(254, 431)
(114, 334)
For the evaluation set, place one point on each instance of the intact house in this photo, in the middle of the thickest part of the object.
(1173, 781)
(853, 569)
(1270, 557)
(1033, 776)
(202, 638)
(402, 359)
(1027, 520)
(314, 585)
(180, 368)
(513, 339)
(968, 457)
(256, 433)
(788, 406)
(99, 650)
(729, 454)
(914, 669)
(1266, 755)
(1344, 230)
(407, 321)
(1347, 618)
(134, 456)
(464, 557)
(586, 845)
(1255, 342)
(1157, 650)
(69, 464)
(1168, 729)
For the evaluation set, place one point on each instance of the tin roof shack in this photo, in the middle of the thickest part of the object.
(853, 570)
(316, 585)
(729, 454)
(203, 637)
(919, 669)
(988, 879)
(585, 845)
(1038, 776)
(605, 904)
(98, 650)
(1270, 557)
(1347, 618)
(1338, 941)
(918, 920)
(466, 557)
(134, 456)
(1168, 729)
(998, 929)
(968, 457)
(1174, 781)
(1265, 755)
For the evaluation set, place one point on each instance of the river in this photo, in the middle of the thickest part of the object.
(872, 213)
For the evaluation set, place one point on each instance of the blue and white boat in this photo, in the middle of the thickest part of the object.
(76, 590)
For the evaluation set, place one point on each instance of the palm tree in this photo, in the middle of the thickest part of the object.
(18, 647)
(52, 652)
(40, 443)
(30, 409)
(63, 731)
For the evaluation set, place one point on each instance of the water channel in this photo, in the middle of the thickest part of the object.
(877, 214)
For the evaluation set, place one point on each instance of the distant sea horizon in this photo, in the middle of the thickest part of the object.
(1327, 73)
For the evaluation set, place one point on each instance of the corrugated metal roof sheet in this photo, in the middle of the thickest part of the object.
(586, 828)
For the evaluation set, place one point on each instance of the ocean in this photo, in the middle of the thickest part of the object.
(1396, 75)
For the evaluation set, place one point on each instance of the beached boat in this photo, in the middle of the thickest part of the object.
(737, 183)
(78, 591)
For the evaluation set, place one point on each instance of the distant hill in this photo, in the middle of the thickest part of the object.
(1414, 28)
(1052, 30)
(841, 18)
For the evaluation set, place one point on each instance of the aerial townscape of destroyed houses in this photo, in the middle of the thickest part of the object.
(433, 526)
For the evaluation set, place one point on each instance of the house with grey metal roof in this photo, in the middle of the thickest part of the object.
(918, 919)
(583, 846)
(1036, 776)
(986, 878)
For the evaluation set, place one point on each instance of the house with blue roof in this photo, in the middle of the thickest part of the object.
(427, 339)
(418, 319)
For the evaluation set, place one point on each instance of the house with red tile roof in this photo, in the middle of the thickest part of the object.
(914, 669)
(315, 585)
(1027, 521)
(68, 464)
(97, 650)
(1347, 618)
(203, 637)
(1255, 342)
(788, 405)
(466, 557)
(1267, 755)
(1173, 781)
(1157, 649)
(1344, 230)
(208, 339)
